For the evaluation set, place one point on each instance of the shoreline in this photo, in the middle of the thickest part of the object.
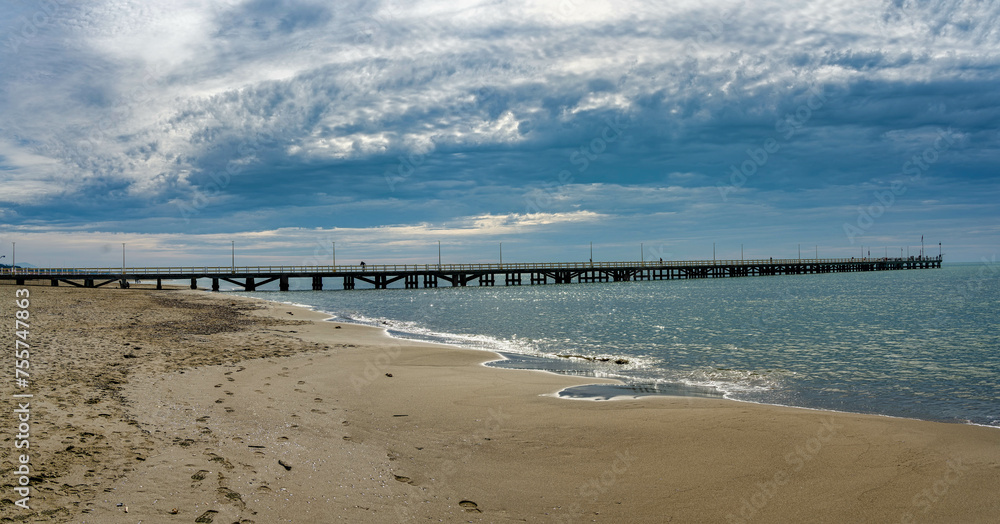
(595, 394)
(244, 410)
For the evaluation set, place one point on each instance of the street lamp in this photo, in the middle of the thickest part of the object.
(233, 245)
(334, 246)
(501, 253)
(123, 259)
(439, 254)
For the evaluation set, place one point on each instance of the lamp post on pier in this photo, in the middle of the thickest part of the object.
(233, 246)
(642, 254)
(123, 259)
(439, 254)
(501, 253)
(333, 249)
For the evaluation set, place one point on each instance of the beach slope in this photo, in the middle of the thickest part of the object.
(192, 407)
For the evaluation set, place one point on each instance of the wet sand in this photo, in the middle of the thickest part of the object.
(195, 407)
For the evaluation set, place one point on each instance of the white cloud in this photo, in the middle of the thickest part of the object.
(274, 90)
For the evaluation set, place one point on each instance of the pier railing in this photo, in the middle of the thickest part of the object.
(382, 268)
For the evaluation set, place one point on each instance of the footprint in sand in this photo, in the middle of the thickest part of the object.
(470, 506)
(222, 460)
(301, 382)
(317, 399)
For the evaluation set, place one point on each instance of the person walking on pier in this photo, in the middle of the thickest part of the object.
(362, 265)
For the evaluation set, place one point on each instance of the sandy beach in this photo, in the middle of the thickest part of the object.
(186, 406)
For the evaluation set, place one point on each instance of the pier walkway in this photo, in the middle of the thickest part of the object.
(435, 275)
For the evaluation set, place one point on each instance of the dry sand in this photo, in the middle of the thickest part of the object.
(191, 407)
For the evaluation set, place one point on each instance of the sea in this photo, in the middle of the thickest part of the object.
(921, 344)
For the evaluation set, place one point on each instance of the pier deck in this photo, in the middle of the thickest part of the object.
(458, 275)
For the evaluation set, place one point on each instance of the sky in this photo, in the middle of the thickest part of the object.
(295, 132)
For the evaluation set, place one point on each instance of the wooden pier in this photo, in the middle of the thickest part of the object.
(460, 275)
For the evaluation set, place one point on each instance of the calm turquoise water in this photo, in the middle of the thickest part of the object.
(921, 344)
